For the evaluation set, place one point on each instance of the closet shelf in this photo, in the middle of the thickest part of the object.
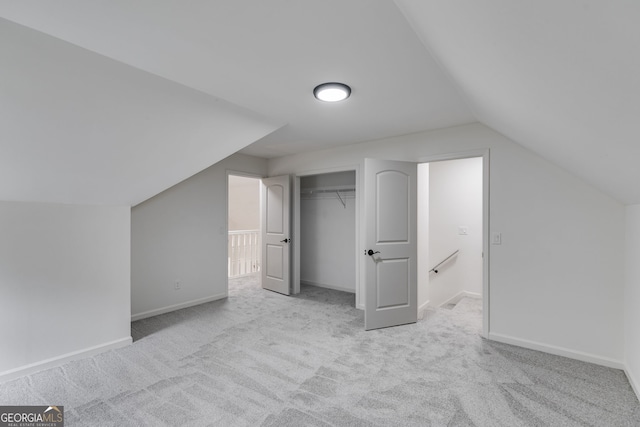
(318, 192)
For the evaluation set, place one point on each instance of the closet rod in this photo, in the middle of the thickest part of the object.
(327, 191)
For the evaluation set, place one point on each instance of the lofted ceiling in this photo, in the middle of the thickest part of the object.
(560, 78)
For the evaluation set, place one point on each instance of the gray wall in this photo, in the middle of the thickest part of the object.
(556, 282)
(244, 203)
(64, 275)
(181, 235)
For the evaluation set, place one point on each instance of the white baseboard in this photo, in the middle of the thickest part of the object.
(175, 307)
(558, 351)
(635, 384)
(60, 360)
(457, 297)
(474, 295)
(323, 285)
(422, 308)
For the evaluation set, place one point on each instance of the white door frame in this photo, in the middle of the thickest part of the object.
(484, 154)
(295, 274)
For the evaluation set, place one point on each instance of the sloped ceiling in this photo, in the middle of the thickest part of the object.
(559, 77)
(207, 78)
(76, 127)
(265, 56)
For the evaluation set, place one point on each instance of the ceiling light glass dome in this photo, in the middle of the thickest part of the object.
(332, 92)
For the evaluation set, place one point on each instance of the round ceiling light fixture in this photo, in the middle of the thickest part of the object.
(332, 92)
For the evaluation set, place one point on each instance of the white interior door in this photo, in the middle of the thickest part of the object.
(275, 234)
(391, 289)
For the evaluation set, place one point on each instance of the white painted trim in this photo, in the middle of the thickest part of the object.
(462, 294)
(175, 307)
(295, 207)
(486, 230)
(454, 156)
(422, 309)
(62, 359)
(322, 171)
(473, 295)
(558, 351)
(635, 384)
(359, 293)
(454, 299)
(324, 285)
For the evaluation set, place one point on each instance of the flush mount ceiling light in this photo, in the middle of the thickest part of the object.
(332, 92)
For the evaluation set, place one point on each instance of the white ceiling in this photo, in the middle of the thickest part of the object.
(561, 78)
(268, 56)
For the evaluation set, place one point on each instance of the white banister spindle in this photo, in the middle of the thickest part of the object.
(244, 252)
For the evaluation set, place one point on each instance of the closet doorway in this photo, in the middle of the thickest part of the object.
(327, 234)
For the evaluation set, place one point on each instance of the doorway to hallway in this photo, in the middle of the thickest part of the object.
(243, 224)
(450, 232)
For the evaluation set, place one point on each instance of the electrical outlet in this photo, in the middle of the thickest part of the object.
(178, 285)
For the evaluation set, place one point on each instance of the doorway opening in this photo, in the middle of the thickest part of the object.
(391, 237)
(243, 227)
(451, 234)
(328, 231)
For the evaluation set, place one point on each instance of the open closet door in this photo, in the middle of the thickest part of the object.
(275, 234)
(391, 286)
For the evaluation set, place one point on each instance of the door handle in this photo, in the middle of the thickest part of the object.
(285, 241)
(370, 252)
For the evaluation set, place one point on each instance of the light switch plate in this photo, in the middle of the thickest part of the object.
(496, 238)
(463, 230)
